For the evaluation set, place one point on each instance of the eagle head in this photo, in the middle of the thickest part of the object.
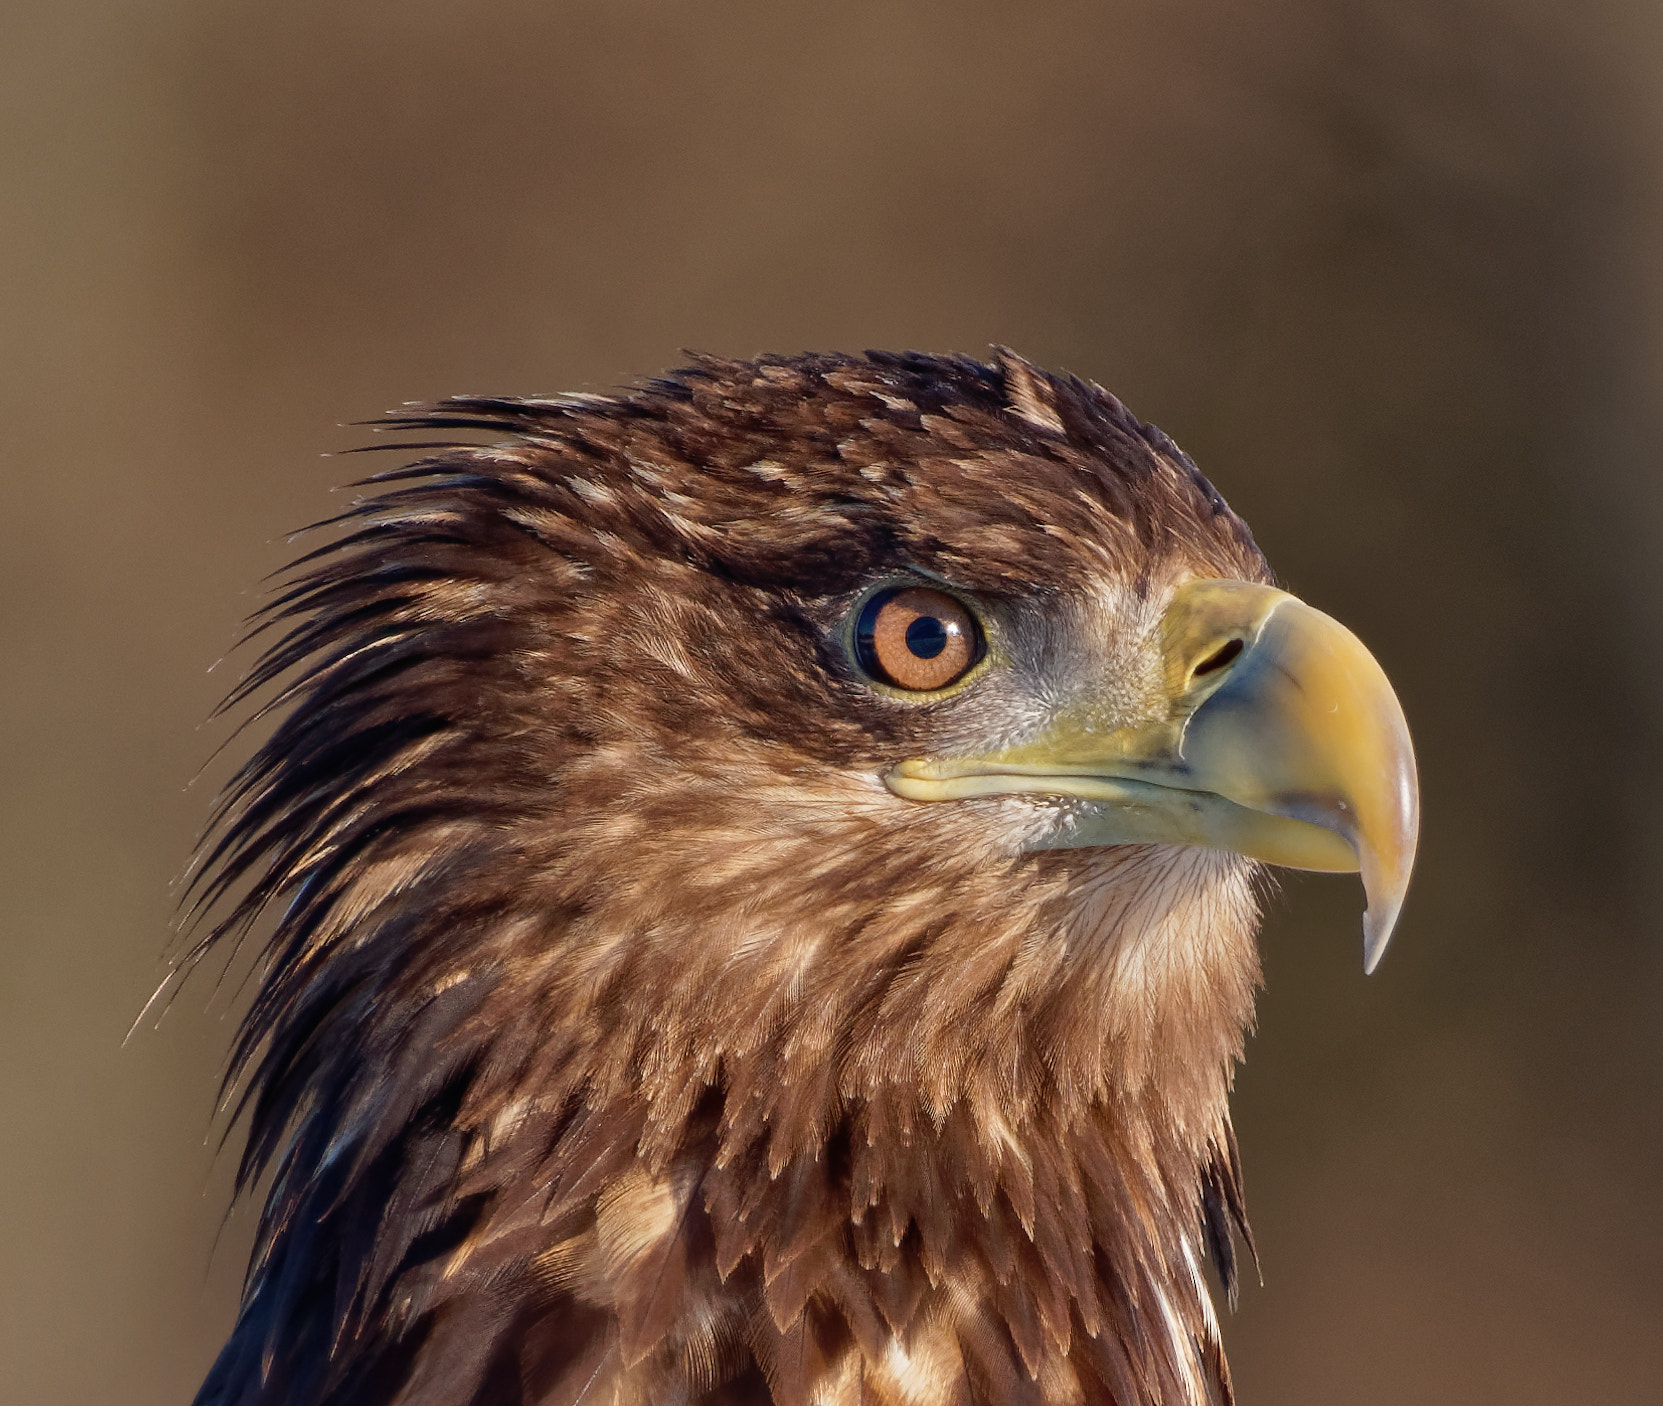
(760, 877)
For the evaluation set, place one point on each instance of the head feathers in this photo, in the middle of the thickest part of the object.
(619, 1037)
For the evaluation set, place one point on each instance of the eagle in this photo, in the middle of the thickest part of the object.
(756, 881)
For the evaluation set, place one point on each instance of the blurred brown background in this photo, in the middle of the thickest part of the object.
(1388, 270)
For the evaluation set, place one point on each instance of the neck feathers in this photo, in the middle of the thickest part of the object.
(923, 1155)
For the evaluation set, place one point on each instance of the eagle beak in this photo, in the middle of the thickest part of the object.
(1276, 736)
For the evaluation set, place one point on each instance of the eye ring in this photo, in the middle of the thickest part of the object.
(917, 638)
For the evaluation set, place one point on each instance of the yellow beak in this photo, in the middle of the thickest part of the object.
(1280, 740)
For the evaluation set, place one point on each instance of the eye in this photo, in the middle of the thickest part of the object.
(916, 638)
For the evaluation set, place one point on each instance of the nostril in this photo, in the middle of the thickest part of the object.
(1218, 659)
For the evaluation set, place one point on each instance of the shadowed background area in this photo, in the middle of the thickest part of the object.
(1387, 270)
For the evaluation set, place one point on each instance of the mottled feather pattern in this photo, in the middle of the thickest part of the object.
(618, 1037)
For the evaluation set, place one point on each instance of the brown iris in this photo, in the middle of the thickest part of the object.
(916, 638)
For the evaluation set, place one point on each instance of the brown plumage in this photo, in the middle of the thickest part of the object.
(621, 1038)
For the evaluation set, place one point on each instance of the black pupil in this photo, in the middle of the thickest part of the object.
(926, 637)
